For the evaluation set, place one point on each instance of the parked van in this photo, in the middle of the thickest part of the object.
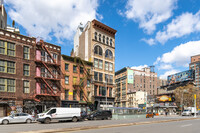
(59, 114)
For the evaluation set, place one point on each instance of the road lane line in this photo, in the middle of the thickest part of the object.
(186, 125)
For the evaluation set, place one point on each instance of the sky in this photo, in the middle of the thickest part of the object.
(149, 32)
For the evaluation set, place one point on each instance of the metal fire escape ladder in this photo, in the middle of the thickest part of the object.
(48, 70)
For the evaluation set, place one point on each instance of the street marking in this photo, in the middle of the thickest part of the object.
(186, 125)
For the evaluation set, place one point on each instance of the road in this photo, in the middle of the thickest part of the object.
(188, 126)
(11, 128)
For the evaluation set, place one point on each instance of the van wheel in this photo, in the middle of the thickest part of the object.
(74, 119)
(47, 121)
(28, 121)
(5, 122)
(109, 118)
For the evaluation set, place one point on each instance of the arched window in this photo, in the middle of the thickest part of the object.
(98, 50)
(108, 54)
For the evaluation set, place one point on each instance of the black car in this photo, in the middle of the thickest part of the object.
(100, 115)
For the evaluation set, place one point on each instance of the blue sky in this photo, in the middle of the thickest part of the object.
(149, 32)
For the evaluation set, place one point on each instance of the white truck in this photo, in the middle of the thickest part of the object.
(189, 111)
(59, 114)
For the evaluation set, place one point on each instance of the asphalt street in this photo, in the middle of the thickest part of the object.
(11, 128)
(188, 126)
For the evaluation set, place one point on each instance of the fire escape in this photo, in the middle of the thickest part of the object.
(79, 86)
(47, 75)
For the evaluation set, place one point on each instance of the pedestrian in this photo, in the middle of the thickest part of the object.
(166, 111)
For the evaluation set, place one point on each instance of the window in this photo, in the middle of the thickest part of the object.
(98, 50)
(106, 66)
(110, 42)
(75, 69)
(74, 94)
(66, 79)
(103, 39)
(108, 54)
(26, 69)
(100, 77)
(2, 84)
(96, 76)
(100, 37)
(74, 80)
(66, 94)
(110, 92)
(2, 66)
(95, 35)
(95, 90)
(81, 81)
(96, 63)
(26, 87)
(88, 83)
(10, 67)
(81, 70)
(10, 85)
(107, 40)
(26, 52)
(66, 67)
(11, 49)
(111, 67)
(55, 57)
(100, 64)
(106, 78)
(111, 79)
(2, 47)
(81, 95)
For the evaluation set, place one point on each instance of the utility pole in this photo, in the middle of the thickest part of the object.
(195, 105)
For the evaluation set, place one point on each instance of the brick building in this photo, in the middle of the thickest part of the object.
(76, 83)
(20, 86)
(195, 65)
(130, 80)
(95, 42)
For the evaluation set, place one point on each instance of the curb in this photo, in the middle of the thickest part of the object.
(106, 126)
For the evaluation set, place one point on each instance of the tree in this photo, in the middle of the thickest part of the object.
(184, 95)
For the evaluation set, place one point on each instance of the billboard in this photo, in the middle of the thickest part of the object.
(179, 77)
(130, 76)
(165, 98)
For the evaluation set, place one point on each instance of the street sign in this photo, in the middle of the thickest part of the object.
(195, 96)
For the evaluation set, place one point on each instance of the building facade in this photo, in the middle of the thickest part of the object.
(137, 99)
(129, 80)
(23, 85)
(76, 83)
(195, 65)
(3, 16)
(95, 42)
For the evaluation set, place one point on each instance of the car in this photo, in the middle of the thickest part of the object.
(150, 115)
(100, 115)
(17, 118)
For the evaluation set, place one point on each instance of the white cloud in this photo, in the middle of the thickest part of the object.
(182, 25)
(149, 41)
(170, 72)
(149, 12)
(185, 24)
(139, 67)
(180, 55)
(177, 59)
(52, 18)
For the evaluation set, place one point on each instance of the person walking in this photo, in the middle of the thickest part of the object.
(166, 111)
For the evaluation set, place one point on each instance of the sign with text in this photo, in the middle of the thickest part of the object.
(130, 76)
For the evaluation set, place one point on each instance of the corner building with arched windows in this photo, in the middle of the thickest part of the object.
(95, 42)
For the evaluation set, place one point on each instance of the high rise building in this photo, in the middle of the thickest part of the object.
(195, 65)
(129, 80)
(3, 16)
(95, 42)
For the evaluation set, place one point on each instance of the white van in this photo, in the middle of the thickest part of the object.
(59, 114)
